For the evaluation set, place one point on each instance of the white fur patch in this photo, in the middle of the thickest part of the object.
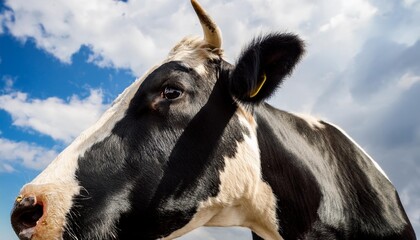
(311, 120)
(194, 52)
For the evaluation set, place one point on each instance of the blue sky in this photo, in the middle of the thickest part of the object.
(63, 62)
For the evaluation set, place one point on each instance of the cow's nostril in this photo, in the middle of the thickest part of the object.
(25, 215)
(30, 216)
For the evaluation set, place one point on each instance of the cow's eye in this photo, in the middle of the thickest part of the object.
(171, 93)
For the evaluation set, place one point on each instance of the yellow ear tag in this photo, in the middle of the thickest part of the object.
(257, 90)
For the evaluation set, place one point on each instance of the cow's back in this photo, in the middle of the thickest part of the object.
(326, 186)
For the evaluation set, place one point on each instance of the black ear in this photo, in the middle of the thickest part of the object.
(263, 65)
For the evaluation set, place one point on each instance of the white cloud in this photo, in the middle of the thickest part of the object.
(26, 154)
(62, 120)
(412, 4)
(408, 80)
(113, 30)
(137, 34)
(2, 19)
(399, 23)
(6, 168)
(8, 82)
(352, 14)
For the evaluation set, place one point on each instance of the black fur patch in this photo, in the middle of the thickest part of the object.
(295, 187)
(274, 55)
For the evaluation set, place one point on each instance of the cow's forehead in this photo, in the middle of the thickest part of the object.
(195, 53)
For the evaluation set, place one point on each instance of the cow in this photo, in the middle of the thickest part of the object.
(193, 143)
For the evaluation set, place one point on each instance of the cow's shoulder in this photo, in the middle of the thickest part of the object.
(316, 170)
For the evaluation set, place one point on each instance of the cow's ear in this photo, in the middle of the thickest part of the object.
(263, 65)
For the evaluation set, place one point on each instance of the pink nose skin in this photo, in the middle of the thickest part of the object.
(25, 215)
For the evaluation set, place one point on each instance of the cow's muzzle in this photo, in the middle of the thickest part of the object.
(26, 213)
(39, 212)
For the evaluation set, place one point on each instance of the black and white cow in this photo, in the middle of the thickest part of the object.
(193, 143)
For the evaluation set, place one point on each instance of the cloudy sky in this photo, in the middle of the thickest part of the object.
(63, 62)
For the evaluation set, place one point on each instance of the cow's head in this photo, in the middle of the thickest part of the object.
(176, 150)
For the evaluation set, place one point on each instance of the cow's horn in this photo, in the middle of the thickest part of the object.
(212, 33)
